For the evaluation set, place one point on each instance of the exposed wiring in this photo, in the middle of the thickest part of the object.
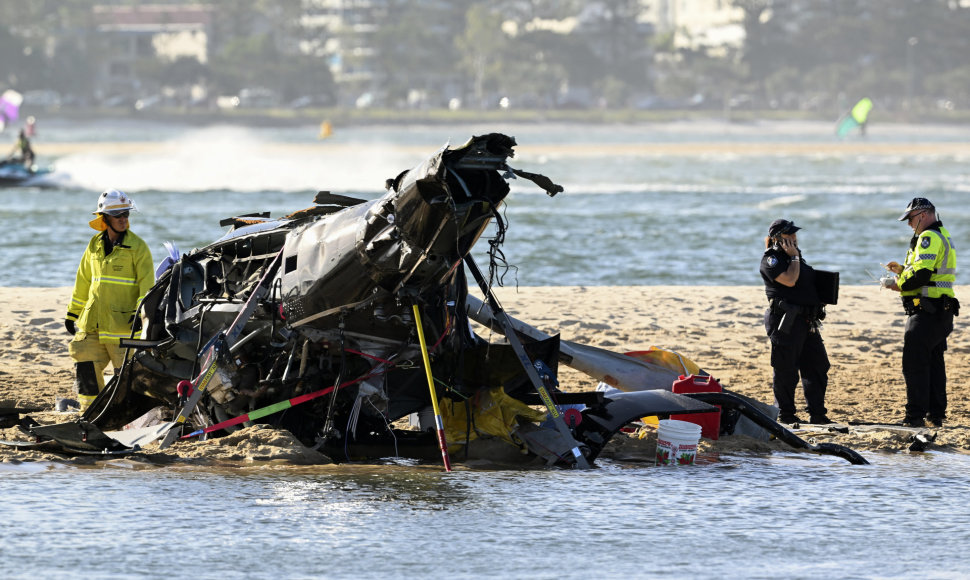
(496, 257)
(445, 333)
(328, 424)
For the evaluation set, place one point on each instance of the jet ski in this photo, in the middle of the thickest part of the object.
(13, 173)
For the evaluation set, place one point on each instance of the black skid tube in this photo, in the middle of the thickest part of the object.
(766, 422)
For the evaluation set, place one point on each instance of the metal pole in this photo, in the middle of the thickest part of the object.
(434, 397)
(503, 318)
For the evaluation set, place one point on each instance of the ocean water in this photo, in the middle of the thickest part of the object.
(677, 204)
(781, 516)
(669, 204)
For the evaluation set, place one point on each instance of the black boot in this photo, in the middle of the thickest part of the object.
(86, 382)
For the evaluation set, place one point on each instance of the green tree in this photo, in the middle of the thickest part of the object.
(415, 48)
(887, 49)
(622, 43)
(254, 43)
(612, 31)
(549, 61)
(482, 49)
(246, 61)
(47, 44)
(306, 75)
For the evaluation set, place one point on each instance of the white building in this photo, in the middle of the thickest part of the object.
(342, 31)
(709, 25)
(161, 31)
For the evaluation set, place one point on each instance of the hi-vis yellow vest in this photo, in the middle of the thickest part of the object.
(107, 289)
(933, 251)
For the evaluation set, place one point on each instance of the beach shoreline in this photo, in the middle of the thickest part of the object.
(718, 327)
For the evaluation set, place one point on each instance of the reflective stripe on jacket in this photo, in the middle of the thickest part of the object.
(935, 252)
(107, 289)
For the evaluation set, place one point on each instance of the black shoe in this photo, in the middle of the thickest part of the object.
(820, 420)
(911, 422)
(936, 422)
(789, 419)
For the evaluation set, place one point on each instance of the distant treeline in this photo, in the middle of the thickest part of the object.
(810, 55)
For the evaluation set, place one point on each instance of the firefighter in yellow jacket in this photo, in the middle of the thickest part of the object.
(925, 282)
(114, 275)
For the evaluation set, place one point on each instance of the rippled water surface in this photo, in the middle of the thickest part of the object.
(675, 204)
(782, 516)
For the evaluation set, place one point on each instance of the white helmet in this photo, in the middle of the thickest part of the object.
(114, 201)
(111, 202)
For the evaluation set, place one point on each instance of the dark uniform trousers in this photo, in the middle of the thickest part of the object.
(924, 343)
(797, 352)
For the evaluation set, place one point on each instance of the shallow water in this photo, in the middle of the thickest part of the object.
(636, 218)
(781, 516)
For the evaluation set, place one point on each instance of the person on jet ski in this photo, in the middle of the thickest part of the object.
(26, 152)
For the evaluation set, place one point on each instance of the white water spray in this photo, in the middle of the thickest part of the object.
(235, 159)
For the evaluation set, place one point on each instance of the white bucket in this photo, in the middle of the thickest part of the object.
(677, 442)
(423, 419)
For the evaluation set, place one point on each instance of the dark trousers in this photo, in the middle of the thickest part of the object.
(923, 368)
(798, 352)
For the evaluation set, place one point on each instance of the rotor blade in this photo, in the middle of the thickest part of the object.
(619, 370)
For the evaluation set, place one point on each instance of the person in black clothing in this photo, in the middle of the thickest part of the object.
(25, 151)
(792, 322)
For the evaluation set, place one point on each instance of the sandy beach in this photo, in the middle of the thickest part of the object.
(718, 327)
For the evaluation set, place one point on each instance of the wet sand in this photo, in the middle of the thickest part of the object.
(720, 328)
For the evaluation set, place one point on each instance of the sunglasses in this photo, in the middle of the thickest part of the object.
(123, 214)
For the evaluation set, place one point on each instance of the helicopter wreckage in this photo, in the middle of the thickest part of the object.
(337, 321)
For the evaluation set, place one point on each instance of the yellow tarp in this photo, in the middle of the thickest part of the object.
(494, 413)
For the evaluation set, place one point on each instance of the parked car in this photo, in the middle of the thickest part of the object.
(308, 101)
(47, 99)
(120, 100)
(258, 97)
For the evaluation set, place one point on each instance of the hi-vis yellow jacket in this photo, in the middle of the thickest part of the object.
(933, 251)
(107, 289)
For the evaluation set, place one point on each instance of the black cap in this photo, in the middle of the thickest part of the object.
(917, 204)
(782, 227)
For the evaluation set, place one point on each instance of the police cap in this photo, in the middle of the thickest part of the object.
(780, 226)
(917, 204)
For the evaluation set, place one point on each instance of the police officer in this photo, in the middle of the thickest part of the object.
(114, 275)
(925, 283)
(792, 322)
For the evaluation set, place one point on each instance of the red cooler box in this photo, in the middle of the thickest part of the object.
(710, 422)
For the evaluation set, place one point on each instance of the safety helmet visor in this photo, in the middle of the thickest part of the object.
(118, 211)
